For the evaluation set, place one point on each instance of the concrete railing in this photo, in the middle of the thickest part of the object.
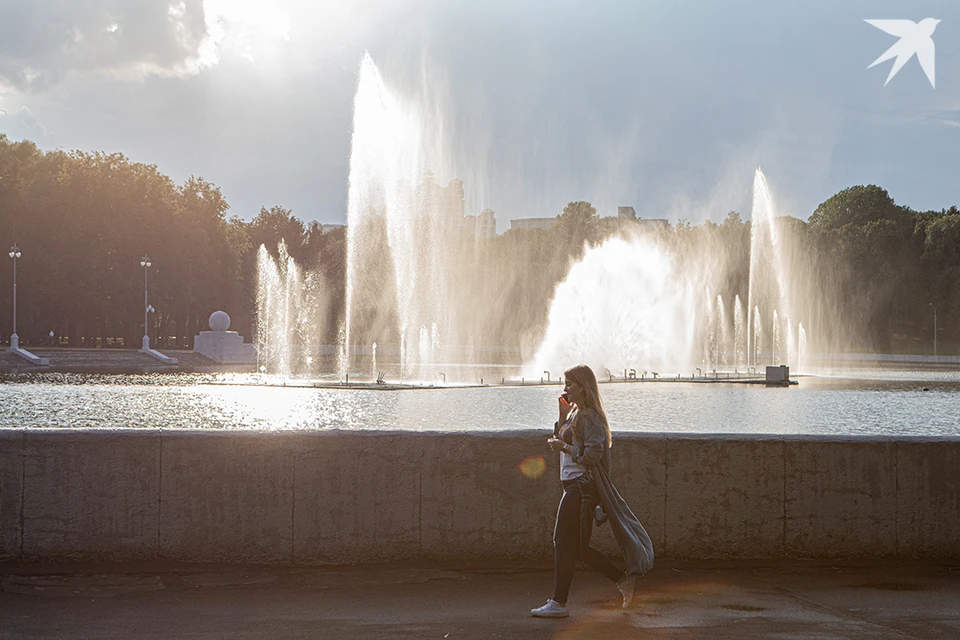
(349, 497)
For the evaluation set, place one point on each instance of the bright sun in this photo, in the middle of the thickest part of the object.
(251, 27)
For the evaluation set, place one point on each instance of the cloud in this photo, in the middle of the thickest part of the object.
(40, 42)
(22, 125)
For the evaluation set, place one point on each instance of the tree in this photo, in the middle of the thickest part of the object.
(855, 205)
(941, 267)
(575, 226)
(576, 220)
(275, 224)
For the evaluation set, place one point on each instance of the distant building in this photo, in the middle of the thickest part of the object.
(532, 223)
(330, 227)
(485, 224)
(629, 213)
(447, 203)
(654, 223)
(482, 226)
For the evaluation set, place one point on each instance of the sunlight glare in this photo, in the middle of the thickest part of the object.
(249, 26)
(533, 467)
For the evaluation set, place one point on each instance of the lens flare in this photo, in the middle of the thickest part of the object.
(533, 467)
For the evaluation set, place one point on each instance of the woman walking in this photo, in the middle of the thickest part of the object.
(582, 437)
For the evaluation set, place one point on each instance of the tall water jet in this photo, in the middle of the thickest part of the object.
(404, 283)
(342, 370)
(801, 347)
(756, 357)
(271, 314)
(776, 340)
(425, 351)
(767, 287)
(708, 348)
(291, 313)
(721, 334)
(739, 344)
(791, 345)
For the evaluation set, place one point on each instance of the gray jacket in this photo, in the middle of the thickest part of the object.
(590, 440)
(590, 449)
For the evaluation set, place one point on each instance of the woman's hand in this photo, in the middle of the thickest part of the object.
(556, 444)
(565, 408)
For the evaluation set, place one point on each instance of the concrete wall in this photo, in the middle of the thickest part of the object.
(349, 497)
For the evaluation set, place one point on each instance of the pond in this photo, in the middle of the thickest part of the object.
(839, 402)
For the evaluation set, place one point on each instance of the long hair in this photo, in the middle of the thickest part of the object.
(583, 375)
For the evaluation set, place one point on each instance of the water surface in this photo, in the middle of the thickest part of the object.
(874, 402)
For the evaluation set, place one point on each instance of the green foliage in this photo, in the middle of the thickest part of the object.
(941, 245)
(855, 205)
(867, 267)
(276, 224)
(940, 267)
(83, 221)
(576, 225)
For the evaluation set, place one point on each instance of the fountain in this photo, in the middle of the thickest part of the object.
(768, 287)
(721, 329)
(632, 302)
(739, 347)
(621, 306)
(291, 312)
(402, 280)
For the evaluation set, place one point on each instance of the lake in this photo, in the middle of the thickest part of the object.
(869, 402)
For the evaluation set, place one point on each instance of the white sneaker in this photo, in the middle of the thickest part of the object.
(552, 609)
(626, 587)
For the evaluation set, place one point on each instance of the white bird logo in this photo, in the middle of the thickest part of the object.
(915, 38)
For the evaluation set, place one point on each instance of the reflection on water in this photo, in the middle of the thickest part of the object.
(877, 402)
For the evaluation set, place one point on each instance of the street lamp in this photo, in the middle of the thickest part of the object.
(14, 339)
(145, 263)
(934, 330)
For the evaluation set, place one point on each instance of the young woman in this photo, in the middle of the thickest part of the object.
(582, 437)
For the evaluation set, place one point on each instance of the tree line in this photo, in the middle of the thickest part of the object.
(871, 271)
(83, 221)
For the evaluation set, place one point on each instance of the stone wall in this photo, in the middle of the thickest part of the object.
(350, 497)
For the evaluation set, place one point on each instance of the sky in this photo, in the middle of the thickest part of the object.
(665, 106)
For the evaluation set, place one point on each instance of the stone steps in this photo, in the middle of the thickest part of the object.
(108, 361)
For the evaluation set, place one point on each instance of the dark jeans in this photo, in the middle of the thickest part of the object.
(566, 545)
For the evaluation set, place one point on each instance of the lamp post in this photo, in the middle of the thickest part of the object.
(14, 339)
(934, 329)
(145, 263)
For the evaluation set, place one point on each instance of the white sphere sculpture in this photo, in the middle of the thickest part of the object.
(219, 321)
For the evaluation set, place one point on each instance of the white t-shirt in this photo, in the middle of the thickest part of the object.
(570, 470)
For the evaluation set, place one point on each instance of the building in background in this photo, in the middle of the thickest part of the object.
(485, 225)
(653, 223)
(532, 223)
(629, 213)
(447, 202)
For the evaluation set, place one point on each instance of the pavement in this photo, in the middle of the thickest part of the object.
(679, 600)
